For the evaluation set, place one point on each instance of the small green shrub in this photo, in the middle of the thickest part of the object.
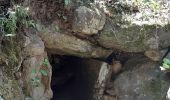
(16, 17)
(36, 80)
(166, 63)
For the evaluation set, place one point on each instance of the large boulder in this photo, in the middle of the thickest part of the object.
(83, 22)
(124, 25)
(134, 38)
(141, 80)
(64, 44)
(37, 85)
(136, 28)
(88, 21)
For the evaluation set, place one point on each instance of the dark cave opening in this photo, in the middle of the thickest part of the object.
(74, 78)
(68, 80)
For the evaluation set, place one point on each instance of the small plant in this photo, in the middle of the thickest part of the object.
(67, 2)
(45, 63)
(8, 25)
(18, 15)
(165, 64)
(36, 80)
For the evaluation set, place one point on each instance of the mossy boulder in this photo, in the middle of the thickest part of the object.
(142, 80)
(136, 26)
(134, 38)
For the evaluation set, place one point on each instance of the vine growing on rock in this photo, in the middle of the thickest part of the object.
(36, 80)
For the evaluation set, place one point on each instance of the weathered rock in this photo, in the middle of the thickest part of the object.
(143, 80)
(133, 38)
(135, 30)
(9, 87)
(102, 80)
(116, 66)
(43, 89)
(153, 55)
(35, 83)
(108, 97)
(88, 21)
(69, 45)
(27, 41)
(33, 45)
(127, 30)
(110, 92)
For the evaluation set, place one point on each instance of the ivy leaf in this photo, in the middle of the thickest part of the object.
(165, 66)
(43, 72)
(35, 79)
(33, 71)
(166, 61)
(45, 62)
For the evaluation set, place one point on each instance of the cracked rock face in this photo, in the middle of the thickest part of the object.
(88, 21)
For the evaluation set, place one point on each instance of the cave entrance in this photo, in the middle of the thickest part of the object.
(69, 80)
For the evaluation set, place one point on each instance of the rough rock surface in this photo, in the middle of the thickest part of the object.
(143, 80)
(102, 80)
(135, 28)
(88, 21)
(133, 38)
(108, 97)
(70, 45)
(9, 87)
(153, 55)
(35, 55)
(123, 30)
